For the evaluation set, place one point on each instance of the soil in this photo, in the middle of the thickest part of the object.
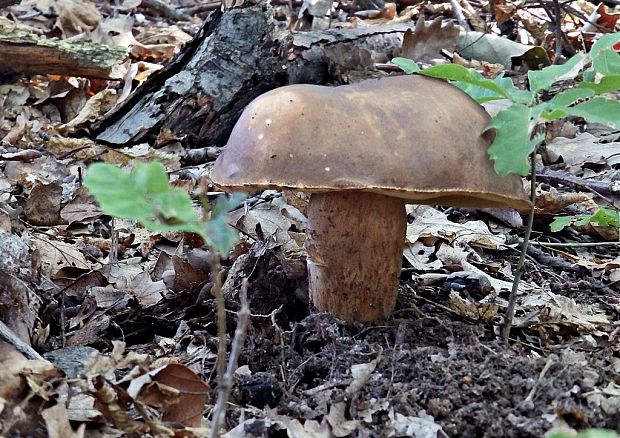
(430, 363)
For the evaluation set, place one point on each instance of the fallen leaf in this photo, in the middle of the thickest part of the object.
(184, 405)
(57, 423)
(425, 43)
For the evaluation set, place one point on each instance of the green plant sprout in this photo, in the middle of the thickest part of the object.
(603, 217)
(145, 196)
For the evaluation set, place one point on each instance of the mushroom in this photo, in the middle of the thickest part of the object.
(362, 151)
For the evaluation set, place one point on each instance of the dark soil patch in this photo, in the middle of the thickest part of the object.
(431, 362)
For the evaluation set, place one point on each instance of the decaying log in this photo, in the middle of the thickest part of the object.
(24, 52)
(238, 55)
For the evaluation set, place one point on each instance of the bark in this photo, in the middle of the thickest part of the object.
(238, 55)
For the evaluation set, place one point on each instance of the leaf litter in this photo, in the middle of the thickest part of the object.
(128, 328)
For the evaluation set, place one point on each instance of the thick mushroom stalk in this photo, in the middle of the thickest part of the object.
(355, 250)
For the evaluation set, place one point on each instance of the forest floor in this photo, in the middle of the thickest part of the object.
(125, 322)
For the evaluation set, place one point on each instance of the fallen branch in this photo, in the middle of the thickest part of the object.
(28, 53)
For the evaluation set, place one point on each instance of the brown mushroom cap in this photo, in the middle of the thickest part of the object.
(411, 137)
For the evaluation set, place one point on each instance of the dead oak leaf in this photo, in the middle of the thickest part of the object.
(425, 42)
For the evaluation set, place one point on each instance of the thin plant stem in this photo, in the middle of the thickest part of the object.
(510, 311)
(226, 378)
(221, 314)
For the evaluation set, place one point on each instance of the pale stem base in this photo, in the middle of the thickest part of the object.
(355, 251)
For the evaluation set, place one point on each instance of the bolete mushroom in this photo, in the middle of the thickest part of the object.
(362, 151)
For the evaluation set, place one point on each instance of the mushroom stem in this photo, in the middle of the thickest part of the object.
(355, 250)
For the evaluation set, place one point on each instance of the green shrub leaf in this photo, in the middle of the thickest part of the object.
(602, 59)
(407, 65)
(543, 79)
(570, 96)
(607, 84)
(145, 195)
(598, 110)
(512, 145)
(560, 222)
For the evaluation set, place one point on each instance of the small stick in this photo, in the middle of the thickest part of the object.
(225, 381)
(7, 335)
(558, 32)
(458, 14)
(530, 396)
(216, 289)
(573, 244)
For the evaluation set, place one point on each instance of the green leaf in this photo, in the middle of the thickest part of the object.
(117, 193)
(605, 60)
(407, 65)
(145, 195)
(221, 235)
(556, 108)
(590, 433)
(607, 41)
(543, 79)
(606, 217)
(470, 81)
(560, 222)
(512, 144)
(607, 84)
(598, 110)
(603, 217)
(455, 72)
(482, 95)
(570, 96)
(598, 433)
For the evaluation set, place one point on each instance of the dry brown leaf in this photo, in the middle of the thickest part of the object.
(601, 17)
(388, 12)
(23, 155)
(551, 201)
(187, 276)
(57, 423)
(185, 403)
(94, 109)
(145, 290)
(16, 133)
(81, 207)
(424, 44)
(114, 402)
(53, 255)
(43, 205)
(76, 16)
(584, 148)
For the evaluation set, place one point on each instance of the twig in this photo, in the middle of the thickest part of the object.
(598, 188)
(530, 396)
(573, 244)
(510, 311)
(558, 31)
(225, 381)
(7, 335)
(458, 13)
(162, 9)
